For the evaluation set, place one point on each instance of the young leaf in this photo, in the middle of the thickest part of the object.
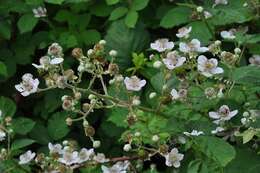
(112, 2)
(139, 4)
(7, 106)
(26, 23)
(131, 19)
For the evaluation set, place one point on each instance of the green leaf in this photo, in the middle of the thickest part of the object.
(125, 41)
(117, 13)
(91, 36)
(3, 69)
(7, 106)
(176, 16)
(112, 2)
(26, 23)
(22, 125)
(21, 143)
(44, 138)
(247, 75)
(131, 19)
(101, 9)
(5, 29)
(215, 149)
(248, 135)
(57, 127)
(139, 4)
(194, 166)
(200, 31)
(59, 2)
(68, 40)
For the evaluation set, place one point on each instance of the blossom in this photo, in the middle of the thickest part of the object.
(85, 155)
(207, 14)
(55, 50)
(2, 135)
(218, 129)
(28, 85)
(119, 167)
(26, 157)
(184, 32)
(69, 158)
(255, 60)
(194, 133)
(173, 60)
(228, 34)
(46, 62)
(178, 94)
(223, 114)
(208, 67)
(162, 45)
(56, 148)
(134, 83)
(173, 158)
(100, 158)
(40, 12)
(192, 46)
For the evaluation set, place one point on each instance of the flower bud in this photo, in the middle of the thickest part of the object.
(69, 121)
(164, 87)
(113, 53)
(237, 51)
(77, 53)
(137, 134)
(85, 107)
(65, 142)
(111, 81)
(119, 78)
(218, 42)
(152, 95)
(96, 144)
(155, 138)
(90, 52)
(69, 74)
(127, 147)
(102, 42)
(85, 123)
(77, 95)
(136, 102)
(89, 131)
(91, 96)
(113, 69)
(157, 64)
(245, 114)
(199, 9)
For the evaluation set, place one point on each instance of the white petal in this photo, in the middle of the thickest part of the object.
(233, 113)
(217, 70)
(184, 47)
(56, 61)
(202, 59)
(214, 115)
(176, 164)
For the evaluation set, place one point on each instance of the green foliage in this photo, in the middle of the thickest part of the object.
(23, 125)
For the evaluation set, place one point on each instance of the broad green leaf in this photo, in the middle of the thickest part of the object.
(44, 138)
(194, 166)
(34, 2)
(117, 13)
(139, 4)
(247, 75)
(59, 2)
(57, 127)
(216, 149)
(101, 9)
(91, 36)
(248, 135)
(3, 69)
(7, 106)
(68, 40)
(201, 31)
(21, 143)
(112, 2)
(26, 23)
(126, 41)
(176, 16)
(131, 19)
(22, 125)
(11, 166)
(5, 29)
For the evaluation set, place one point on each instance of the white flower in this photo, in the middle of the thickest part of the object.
(193, 46)
(255, 60)
(2, 135)
(26, 157)
(173, 158)
(224, 2)
(218, 129)
(223, 114)
(127, 147)
(69, 158)
(46, 61)
(100, 158)
(194, 133)
(207, 14)
(134, 83)
(173, 60)
(184, 32)
(85, 155)
(208, 67)
(162, 45)
(28, 85)
(40, 12)
(228, 34)
(57, 148)
(55, 50)
(175, 95)
(119, 167)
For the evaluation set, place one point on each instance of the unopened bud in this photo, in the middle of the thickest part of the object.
(155, 138)
(77, 53)
(96, 144)
(199, 9)
(127, 147)
(113, 53)
(69, 121)
(152, 95)
(157, 64)
(102, 42)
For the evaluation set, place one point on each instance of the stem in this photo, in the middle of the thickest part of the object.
(103, 84)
